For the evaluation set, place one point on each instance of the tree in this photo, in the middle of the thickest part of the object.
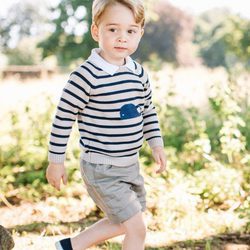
(168, 35)
(20, 29)
(238, 41)
(209, 32)
(23, 20)
(223, 38)
(71, 38)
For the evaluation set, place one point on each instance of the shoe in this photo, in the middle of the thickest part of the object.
(64, 244)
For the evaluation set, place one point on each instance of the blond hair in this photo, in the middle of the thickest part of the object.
(136, 6)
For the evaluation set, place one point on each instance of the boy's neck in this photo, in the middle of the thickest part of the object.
(114, 63)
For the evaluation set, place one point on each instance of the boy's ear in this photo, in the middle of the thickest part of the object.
(142, 32)
(94, 32)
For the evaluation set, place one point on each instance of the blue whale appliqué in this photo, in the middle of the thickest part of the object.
(128, 111)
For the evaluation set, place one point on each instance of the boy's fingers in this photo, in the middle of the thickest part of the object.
(64, 178)
(160, 169)
(51, 182)
(57, 185)
(162, 165)
(157, 159)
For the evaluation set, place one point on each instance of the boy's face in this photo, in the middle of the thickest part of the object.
(118, 34)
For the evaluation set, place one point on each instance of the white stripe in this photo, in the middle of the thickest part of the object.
(58, 245)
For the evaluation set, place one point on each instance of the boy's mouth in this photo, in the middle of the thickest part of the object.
(120, 48)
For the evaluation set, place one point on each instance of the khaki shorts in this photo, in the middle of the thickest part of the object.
(118, 191)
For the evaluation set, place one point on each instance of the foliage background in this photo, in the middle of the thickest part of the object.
(206, 189)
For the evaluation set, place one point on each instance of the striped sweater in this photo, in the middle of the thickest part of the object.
(113, 109)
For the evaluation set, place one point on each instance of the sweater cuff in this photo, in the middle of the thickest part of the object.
(55, 158)
(156, 142)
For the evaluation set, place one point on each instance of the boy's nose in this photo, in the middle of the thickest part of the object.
(122, 40)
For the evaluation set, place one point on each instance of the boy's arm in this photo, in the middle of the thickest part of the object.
(74, 98)
(151, 128)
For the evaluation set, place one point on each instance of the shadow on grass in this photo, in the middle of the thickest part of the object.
(51, 229)
(217, 242)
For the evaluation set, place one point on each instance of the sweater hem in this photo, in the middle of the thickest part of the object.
(104, 159)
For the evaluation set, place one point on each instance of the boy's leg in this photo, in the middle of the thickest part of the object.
(135, 233)
(98, 232)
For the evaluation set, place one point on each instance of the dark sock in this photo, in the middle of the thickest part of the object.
(66, 244)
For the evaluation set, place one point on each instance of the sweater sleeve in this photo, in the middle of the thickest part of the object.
(74, 98)
(151, 128)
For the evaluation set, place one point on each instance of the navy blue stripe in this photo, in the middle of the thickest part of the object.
(57, 144)
(120, 156)
(153, 137)
(106, 84)
(142, 72)
(148, 123)
(101, 117)
(110, 126)
(108, 110)
(83, 78)
(70, 103)
(135, 65)
(95, 76)
(94, 66)
(146, 85)
(76, 96)
(60, 127)
(57, 153)
(148, 95)
(110, 151)
(106, 76)
(111, 143)
(60, 136)
(117, 101)
(125, 73)
(118, 92)
(79, 87)
(114, 74)
(146, 116)
(64, 119)
(147, 106)
(116, 83)
(103, 110)
(67, 111)
(151, 130)
(110, 135)
(151, 110)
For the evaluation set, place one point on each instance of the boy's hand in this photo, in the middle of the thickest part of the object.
(54, 174)
(160, 158)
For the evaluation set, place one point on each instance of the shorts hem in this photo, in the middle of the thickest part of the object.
(126, 213)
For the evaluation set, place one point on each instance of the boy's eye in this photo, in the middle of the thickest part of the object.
(112, 29)
(131, 31)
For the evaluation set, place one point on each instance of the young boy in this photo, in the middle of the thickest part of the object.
(110, 96)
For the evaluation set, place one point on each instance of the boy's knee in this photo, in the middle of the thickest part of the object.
(135, 226)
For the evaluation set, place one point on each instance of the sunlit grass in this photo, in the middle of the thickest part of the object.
(185, 209)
